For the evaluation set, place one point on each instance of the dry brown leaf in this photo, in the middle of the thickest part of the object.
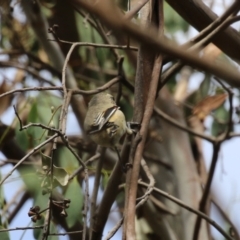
(208, 104)
(4, 101)
(19, 77)
(43, 56)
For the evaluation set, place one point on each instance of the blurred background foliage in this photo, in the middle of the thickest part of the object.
(28, 61)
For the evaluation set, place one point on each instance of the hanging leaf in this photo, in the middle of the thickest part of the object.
(66, 159)
(74, 193)
(207, 105)
(60, 175)
(34, 133)
(37, 233)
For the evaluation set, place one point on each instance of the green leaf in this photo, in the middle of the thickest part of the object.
(34, 133)
(22, 139)
(53, 229)
(33, 114)
(4, 235)
(46, 101)
(60, 175)
(66, 159)
(74, 193)
(220, 124)
(30, 178)
(37, 232)
(204, 87)
(173, 21)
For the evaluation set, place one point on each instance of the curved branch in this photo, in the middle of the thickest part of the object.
(197, 14)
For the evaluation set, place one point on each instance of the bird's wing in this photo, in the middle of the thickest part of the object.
(102, 120)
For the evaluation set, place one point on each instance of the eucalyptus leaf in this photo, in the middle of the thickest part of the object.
(37, 232)
(34, 133)
(173, 21)
(74, 193)
(22, 139)
(66, 159)
(60, 175)
(53, 229)
(4, 235)
(46, 101)
(204, 87)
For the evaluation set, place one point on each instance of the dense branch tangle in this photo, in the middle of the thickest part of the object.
(151, 48)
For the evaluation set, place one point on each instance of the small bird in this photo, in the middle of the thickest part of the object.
(105, 122)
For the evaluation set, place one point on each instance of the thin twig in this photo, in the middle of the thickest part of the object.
(95, 189)
(152, 40)
(57, 131)
(138, 6)
(86, 199)
(112, 232)
(105, 37)
(74, 91)
(203, 38)
(74, 153)
(64, 234)
(150, 187)
(230, 100)
(212, 34)
(216, 149)
(63, 114)
(90, 160)
(47, 220)
(22, 228)
(130, 210)
(34, 73)
(111, 191)
(99, 89)
(5, 162)
(100, 45)
(31, 89)
(18, 206)
(164, 116)
(234, 7)
(225, 215)
(202, 205)
(182, 204)
(27, 156)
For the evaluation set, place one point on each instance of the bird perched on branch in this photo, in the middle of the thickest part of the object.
(105, 122)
